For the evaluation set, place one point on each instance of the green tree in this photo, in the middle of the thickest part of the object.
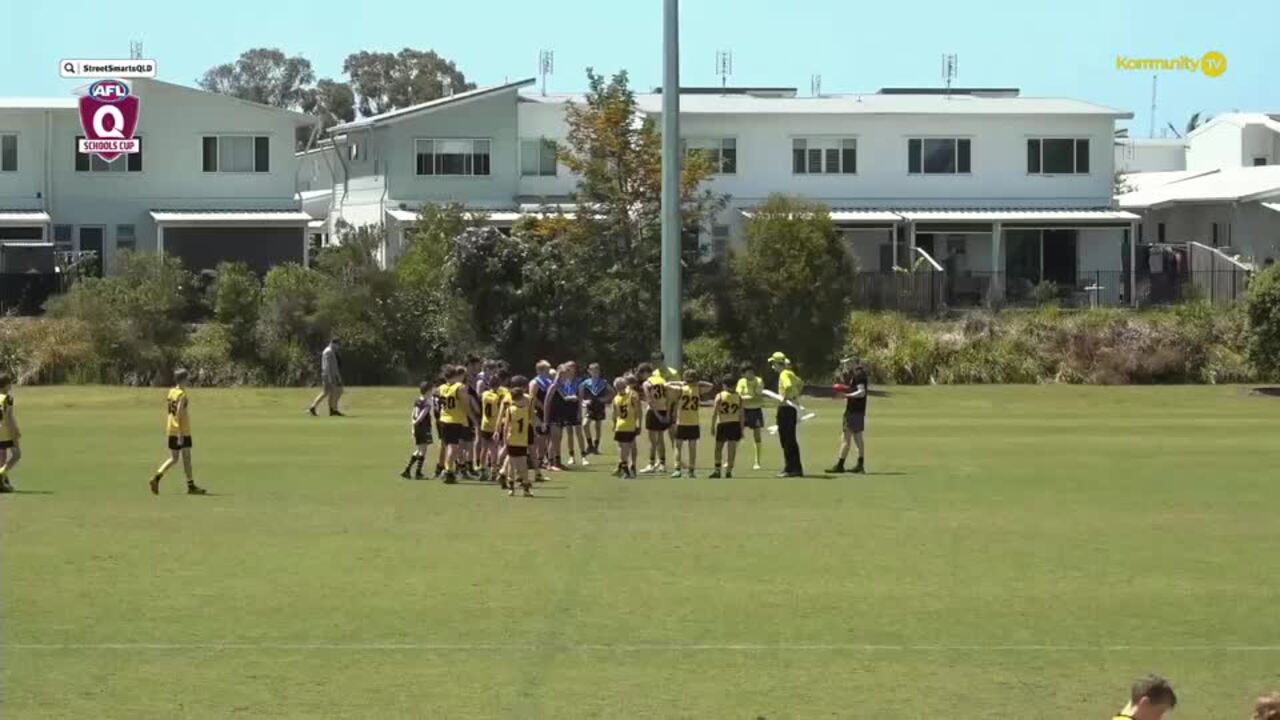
(134, 317)
(792, 280)
(289, 323)
(263, 75)
(384, 81)
(1262, 306)
(616, 151)
(332, 101)
(236, 298)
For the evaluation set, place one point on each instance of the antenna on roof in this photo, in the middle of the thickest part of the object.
(135, 49)
(1152, 131)
(724, 66)
(815, 85)
(950, 66)
(447, 86)
(546, 66)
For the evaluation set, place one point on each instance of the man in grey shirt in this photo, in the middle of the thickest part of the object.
(331, 377)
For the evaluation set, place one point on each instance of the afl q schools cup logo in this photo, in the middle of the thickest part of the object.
(109, 118)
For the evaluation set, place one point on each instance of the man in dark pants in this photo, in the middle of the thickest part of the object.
(789, 385)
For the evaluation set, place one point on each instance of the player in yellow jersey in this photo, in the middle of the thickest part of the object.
(729, 418)
(10, 435)
(178, 429)
(657, 420)
(517, 426)
(455, 412)
(751, 389)
(626, 423)
(688, 430)
(490, 407)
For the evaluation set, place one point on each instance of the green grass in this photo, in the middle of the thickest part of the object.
(1022, 551)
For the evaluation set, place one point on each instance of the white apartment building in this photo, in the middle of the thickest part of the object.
(217, 179)
(994, 187)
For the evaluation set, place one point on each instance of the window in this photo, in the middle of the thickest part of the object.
(938, 156)
(62, 238)
(719, 240)
(452, 157)
(236, 153)
(538, 157)
(126, 237)
(723, 152)
(92, 163)
(1058, 156)
(824, 156)
(8, 153)
(353, 151)
(1259, 161)
(1160, 233)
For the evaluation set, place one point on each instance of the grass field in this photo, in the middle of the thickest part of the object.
(1017, 551)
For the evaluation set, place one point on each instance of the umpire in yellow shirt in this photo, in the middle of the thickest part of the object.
(789, 385)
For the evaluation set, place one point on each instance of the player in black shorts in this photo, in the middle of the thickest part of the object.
(420, 427)
(854, 390)
(597, 393)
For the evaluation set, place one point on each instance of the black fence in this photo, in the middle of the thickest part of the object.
(930, 292)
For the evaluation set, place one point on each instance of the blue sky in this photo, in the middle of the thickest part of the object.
(1054, 49)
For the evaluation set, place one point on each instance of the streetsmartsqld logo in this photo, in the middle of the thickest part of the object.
(1212, 64)
(109, 118)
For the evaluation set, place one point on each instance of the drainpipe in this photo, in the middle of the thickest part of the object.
(47, 185)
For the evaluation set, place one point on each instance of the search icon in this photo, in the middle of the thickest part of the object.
(69, 68)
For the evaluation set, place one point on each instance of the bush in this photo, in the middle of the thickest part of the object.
(134, 318)
(1263, 308)
(237, 296)
(46, 350)
(210, 359)
(710, 357)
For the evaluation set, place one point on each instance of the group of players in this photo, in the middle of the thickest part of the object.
(494, 424)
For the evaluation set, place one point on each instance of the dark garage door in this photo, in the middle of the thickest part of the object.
(261, 248)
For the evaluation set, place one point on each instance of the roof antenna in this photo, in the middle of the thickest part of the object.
(135, 49)
(546, 66)
(1151, 132)
(950, 66)
(724, 66)
(815, 85)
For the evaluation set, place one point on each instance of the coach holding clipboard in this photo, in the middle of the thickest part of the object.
(789, 386)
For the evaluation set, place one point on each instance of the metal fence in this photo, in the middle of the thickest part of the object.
(930, 292)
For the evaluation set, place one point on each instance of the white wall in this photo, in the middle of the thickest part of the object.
(1217, 145)
(999, 165)
(1143, 155)
(21, 190)
(171, 124)
(545, 120)
(1259, 141)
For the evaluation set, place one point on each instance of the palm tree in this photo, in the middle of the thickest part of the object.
(1197, 119)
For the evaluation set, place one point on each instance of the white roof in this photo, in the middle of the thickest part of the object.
(1147, 180)
(1272, 206)
(403, 215)
(429, 106)
(877, 104)
(224, 217)
(1049, 215)
(1239, 119)
(1215, 186)
(24, 217)
(38, 103)
(852, 215)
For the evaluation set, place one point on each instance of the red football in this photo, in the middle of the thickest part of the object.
(841, 389)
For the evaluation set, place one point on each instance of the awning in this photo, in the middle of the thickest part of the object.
(26, 244)
(24, 217)
(1063, 216)
(316, 225)
(404, 216)
(493, 216)
(230, 217)
(1272, 206)
(864, 217)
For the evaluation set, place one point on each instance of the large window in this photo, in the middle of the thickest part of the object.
(62, 241)
(131, 162)
(938, 156)
(1058, 156)
(538, 157)
(438, 156)
(824, 156)
(722, 151)
(236, 153)
(8, 153)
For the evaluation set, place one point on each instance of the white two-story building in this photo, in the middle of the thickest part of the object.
(1001, 191)
(217, 179)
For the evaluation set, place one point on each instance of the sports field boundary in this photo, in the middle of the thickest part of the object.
(639, 648)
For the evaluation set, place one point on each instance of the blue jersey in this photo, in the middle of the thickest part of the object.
(569, 389)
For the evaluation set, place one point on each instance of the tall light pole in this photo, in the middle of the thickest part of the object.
(672, 344)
